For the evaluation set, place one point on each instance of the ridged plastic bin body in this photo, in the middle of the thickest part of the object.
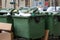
(56, 30)
(3, 18)
(49, 23)
(6, 19)
(3, 15)
(27, 27)
(53, 24)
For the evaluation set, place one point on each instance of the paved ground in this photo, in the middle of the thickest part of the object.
(50, 38)
(19, 39)
(39, 39)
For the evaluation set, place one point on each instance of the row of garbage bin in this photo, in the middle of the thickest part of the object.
(33, 26)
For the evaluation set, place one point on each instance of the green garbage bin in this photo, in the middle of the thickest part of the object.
(28, 26)
(54, 24)
(56, 29)
(49, 22)
(4, 17)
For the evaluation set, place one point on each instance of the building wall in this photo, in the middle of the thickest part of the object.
(7, 4)
(37, 2)
(23, 3)
(52, 2)
(0, 3)
(58, 2)
(20, 3)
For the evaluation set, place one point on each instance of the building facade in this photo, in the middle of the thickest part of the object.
(28, 3)
(54, 2)
(21, 3)
(6, 3)
(0, 3)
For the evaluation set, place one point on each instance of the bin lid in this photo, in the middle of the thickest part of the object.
(5, 10)
(48, 12)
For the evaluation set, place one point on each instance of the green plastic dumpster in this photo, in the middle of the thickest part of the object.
(49, 22)
(3, 15)
(54, 24)
(56, 30)
(29, 26)
(3, 19)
